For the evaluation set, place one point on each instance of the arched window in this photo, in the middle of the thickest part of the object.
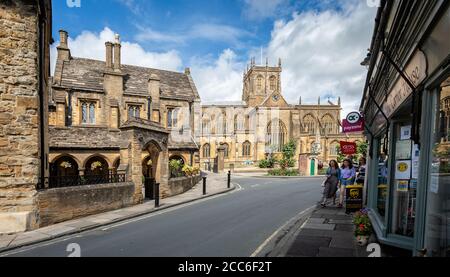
(226, 150)
(259, 82)
(273, 83)
(276, 135)
(134, 111)
(87, 112)
(238, 123)
(246, 149)
(328, 125)
(96, 166)
(334, 149)
(309, 124)
(176, 164)
(206, 151)
(206, 127)
(220, 128)
(92, 113)
(63, 172)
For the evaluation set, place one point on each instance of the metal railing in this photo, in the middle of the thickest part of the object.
(75, 181)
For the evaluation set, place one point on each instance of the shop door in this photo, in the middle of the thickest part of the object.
(313, 167)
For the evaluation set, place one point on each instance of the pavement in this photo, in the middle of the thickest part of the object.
(216, 185)
(246, 222)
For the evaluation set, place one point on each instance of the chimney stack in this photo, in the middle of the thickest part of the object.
(117, 54)
(63, 36)
(63, 48)
(109, 55)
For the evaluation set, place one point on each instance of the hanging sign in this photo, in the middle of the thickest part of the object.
(354, 123)
(348, 148)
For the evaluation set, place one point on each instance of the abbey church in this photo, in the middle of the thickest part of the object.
(264, 121)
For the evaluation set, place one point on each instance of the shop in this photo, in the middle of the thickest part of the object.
(406, 105)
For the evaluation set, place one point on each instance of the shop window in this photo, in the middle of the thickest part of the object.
(437, 236)
(382, 182)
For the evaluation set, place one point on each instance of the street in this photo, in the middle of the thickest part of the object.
(234, 224)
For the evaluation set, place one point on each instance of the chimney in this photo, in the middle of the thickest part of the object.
(187, 71)
(117, 47)
(63, 48)
(154, 88)
(109, 55)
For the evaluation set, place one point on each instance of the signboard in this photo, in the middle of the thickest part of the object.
(403, 170)
(354, 123)
(403, 150)
(405, 132)
(354, 198)
(402, 185)
(348, 148)
(415, 161)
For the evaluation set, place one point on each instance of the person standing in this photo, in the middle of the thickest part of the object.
(331, 183)
(361, 171)
(348, 176)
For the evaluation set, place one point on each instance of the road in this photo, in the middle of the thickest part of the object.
(232, 225)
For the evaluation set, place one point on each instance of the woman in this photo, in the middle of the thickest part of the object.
(332, 182)
(348, 175)
(361, 171)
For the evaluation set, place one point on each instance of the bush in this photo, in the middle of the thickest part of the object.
(267, 163)
(283, 172)
(190, 171)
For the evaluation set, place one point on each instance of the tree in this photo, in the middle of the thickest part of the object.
(288, 155)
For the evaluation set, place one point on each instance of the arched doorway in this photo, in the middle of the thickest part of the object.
(150, 169)
(176, 164)
(96, 170)
(64, 172)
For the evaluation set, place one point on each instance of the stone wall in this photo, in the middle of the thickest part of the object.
(181, 185)
(62, 204)
(19, 115)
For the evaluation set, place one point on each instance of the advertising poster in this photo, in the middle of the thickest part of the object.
(403, 170)
(403, 150)
(405, 132)
(402, 185)
(415, 162)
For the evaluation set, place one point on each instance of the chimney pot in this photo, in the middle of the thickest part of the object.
(109, 55)
(117, 54)
(63, 37)
(187, 71)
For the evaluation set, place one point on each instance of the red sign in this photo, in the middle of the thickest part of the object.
(348, 148)
(354, 123)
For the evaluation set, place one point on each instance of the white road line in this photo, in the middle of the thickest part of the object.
(255, 186)
(267, 241)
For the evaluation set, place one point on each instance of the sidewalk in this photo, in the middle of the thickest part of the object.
(216, 184)
(328, 232)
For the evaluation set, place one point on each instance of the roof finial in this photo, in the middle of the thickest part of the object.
(117, 39)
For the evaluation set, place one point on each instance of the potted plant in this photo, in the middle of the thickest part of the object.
(363, 226)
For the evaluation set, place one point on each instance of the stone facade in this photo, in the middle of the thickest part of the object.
(25, 36)
(264, 121)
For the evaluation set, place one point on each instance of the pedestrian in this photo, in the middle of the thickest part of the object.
(361, 171)
(331, 183)
(348, 176)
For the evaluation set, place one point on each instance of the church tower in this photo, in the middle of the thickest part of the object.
(260, 82)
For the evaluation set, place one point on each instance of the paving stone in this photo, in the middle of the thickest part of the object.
(345, 227)
(55, 230)
(340, 221)
(335, 252)
(316, 220)
(344, 243)
(29, 237)
(329, 227)
(326, 211)
(338, 217)
(304, 246)
(81, 224)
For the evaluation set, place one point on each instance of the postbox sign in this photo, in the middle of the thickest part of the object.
(353, 123)
(348, 148)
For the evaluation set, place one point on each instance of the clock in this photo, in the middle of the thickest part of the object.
(276, 97)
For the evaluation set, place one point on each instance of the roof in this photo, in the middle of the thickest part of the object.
(224, 104)
(87, 74)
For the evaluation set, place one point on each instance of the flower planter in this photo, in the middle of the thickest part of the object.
(362, 240)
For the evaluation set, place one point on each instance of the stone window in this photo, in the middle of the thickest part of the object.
(172, 118)
(259, 82)
(309, 124)
(334, 149)
(88, 110)
(227, 150)
(328, 125)
(134, 111)
(206, 151)
(206, 127)
(238, 123)
(246, 149)
(273, 83)
(276, 136)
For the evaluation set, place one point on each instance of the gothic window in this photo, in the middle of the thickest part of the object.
(227, 150)
(238, 123)
(206, 151)
(309, 124)
(172, 118)
(259, 82)
(134, 111)
(246, 149)
(273, 83)
(206, 127)
(87, 112)
(328, 125)
(220, 125)
(276, 135)
(334, 149)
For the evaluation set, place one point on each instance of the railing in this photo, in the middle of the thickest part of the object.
(75, 181)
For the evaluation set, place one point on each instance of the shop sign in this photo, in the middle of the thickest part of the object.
(417, 72)
(354, 198)
(353, 123)
(348, 148)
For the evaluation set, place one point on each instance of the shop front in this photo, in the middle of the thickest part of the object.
(406, 105)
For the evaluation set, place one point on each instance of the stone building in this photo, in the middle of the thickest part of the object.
(94, 105)
(248, 131)
(25, 36)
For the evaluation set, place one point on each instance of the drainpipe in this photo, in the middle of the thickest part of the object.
(41, 184)
(69, 112)
(149, 108)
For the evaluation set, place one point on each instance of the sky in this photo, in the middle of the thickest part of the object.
(321, 43)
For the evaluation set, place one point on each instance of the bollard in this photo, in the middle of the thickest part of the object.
(156, 190)
(204, 185)
(229, 179)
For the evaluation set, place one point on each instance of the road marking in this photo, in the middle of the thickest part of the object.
(255, 186)
(267, 241)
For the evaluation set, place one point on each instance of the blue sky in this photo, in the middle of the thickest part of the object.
(216, 38)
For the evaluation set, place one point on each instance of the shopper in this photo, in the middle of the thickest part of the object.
(361, 171)
(331, 183)
(348, 176)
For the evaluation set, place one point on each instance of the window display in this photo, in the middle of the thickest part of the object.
(383, 150)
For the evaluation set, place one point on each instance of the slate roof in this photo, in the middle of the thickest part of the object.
(87, 74)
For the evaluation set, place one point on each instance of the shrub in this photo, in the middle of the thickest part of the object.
(283, 172)
(267, 163)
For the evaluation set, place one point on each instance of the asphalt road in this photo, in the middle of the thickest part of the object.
(234, 224)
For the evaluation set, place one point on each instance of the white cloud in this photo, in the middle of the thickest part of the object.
(321, 53)
(92, 46)
(262, 9)
(218, 80)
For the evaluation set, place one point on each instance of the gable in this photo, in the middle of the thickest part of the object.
(275, 100)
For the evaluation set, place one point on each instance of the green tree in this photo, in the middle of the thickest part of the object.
(288, 150)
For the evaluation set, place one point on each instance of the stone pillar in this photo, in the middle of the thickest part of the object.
(117, 54)
(109, 55)
(220, 159)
